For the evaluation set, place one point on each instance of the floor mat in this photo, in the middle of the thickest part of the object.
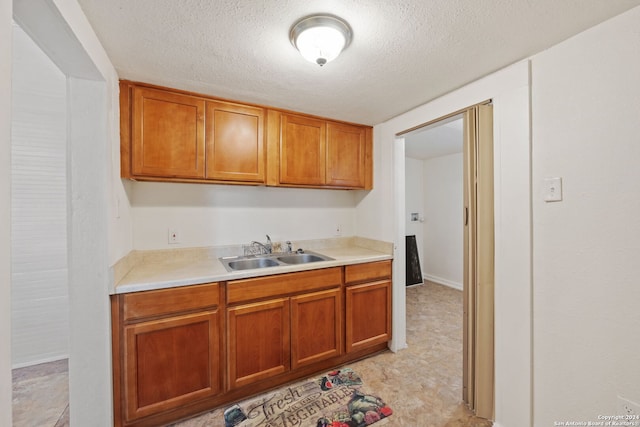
(336, 399)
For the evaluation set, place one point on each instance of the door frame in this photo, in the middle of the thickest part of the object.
(510, 90)
(478, 293)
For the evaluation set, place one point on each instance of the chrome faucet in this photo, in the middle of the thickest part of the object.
(268, 247)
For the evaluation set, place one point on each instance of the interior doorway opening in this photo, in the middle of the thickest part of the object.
(89, 127)
(434, 199)
(459, 187)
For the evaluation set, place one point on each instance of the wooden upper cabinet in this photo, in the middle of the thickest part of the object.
(322, 153)
(346, 150)
(302, 150)
(167, 134)
(235, 142)
(176, 136)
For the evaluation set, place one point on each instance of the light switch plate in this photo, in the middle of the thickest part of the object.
(553, 189)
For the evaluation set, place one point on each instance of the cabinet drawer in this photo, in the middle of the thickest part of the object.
(166, 301)
(370, 271)
(282, 284)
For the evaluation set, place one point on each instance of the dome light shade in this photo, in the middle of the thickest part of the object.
(320, 38)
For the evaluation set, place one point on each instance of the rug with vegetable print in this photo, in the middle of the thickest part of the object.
(336, 399)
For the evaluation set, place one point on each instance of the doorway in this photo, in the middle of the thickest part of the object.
(434, 199)
(469, 260)
(39, 264)
(90, 128)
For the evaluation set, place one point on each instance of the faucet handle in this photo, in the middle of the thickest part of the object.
(269, 245)
(289, 248)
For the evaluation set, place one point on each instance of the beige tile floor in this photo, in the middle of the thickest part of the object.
(41, 395)
(423, 383)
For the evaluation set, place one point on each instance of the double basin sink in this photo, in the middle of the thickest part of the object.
(250, 262)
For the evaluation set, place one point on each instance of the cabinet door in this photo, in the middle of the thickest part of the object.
(170, 362)
(316, 327)
(302, 150)
(368, 315)
(235, 142)
(258, 340)
(345, 155)
(168, 134)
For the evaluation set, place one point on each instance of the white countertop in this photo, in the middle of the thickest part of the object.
(181, 272)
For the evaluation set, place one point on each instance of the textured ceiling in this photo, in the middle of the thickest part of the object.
(404, 52)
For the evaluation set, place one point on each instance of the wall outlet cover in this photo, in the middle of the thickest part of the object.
(174, 236)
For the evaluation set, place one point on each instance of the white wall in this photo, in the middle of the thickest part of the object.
(39, 276)
(585, 106)
(209, 215)
(90, 390)
(586, 129)
(5, 211)
(381, 215)
(99, 232)
(443, 228)
(414, 202)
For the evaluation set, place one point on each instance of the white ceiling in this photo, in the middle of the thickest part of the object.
(404, 52)
(440, 139)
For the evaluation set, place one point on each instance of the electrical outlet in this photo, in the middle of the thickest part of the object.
(338, 229)
(627, 407)
(174, 236)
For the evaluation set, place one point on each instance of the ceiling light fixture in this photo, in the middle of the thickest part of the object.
(320, 38)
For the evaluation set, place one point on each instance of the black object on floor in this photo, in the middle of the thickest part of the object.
(414, 272)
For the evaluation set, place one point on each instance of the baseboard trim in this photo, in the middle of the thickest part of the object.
(40, 361)
(441, 281)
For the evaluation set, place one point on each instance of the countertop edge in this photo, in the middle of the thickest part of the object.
(218, 276)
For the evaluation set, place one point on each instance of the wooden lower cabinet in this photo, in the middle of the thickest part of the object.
(368, 315)
(316, 327)
(168, 352)
(182, 351)
(367, 305)
(269, 338)
(169, 362)
(258, 341)
(272, 337)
